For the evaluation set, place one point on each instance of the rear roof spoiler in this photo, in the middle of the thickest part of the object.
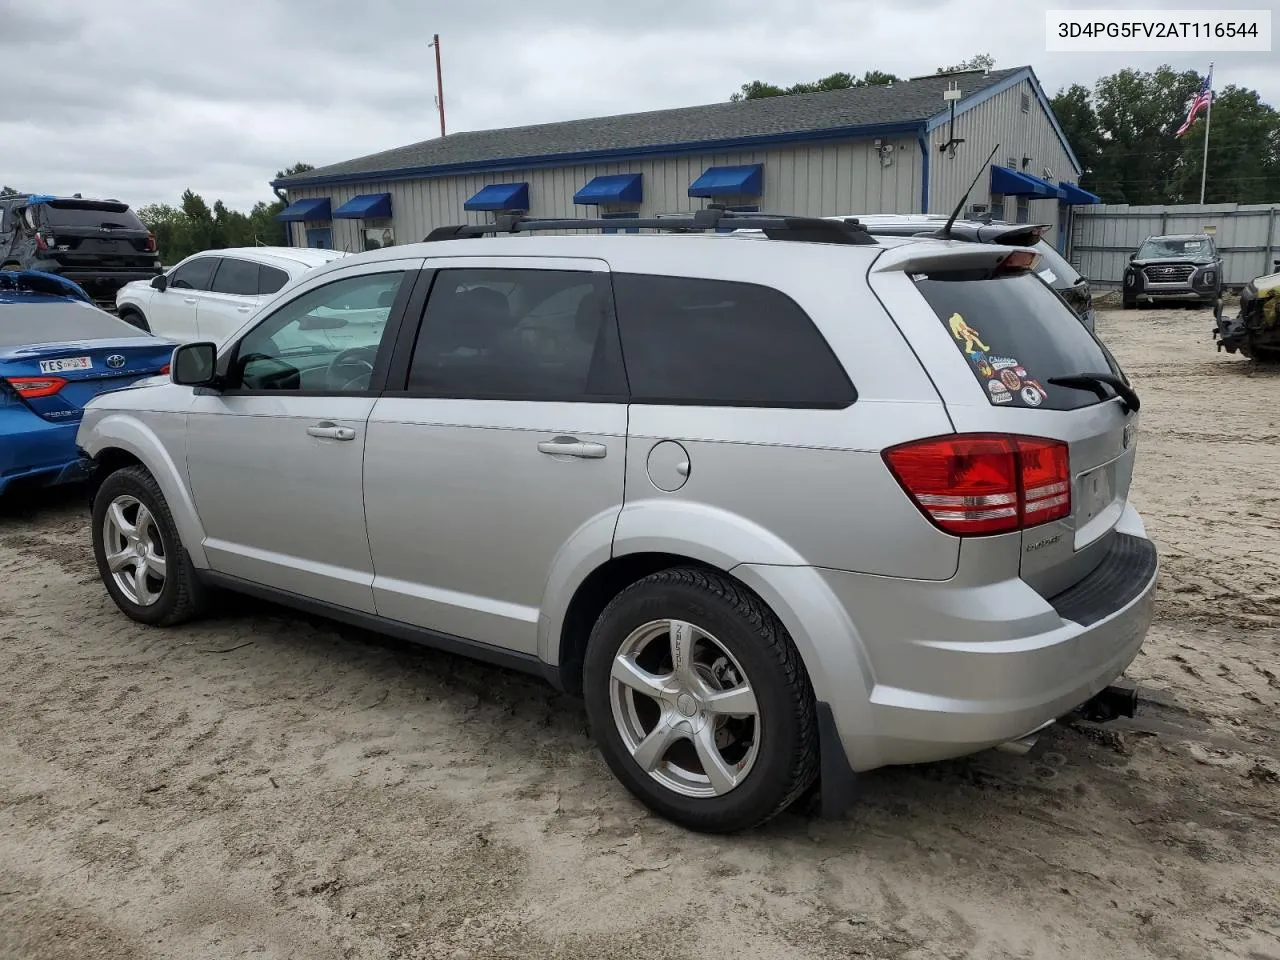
(926, 257)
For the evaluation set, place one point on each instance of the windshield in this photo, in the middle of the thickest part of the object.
(86, 214)
(1017, 335)
(1160, 247)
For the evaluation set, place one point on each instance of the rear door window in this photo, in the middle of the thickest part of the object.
(719, 343)
(237, 277)
(1016, 335)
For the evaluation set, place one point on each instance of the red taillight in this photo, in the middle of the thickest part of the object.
(151, 243)
(164, 371)
(1019, 260)
(32, 387)
(971, 484)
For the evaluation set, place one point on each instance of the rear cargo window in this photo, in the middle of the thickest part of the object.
(111, 215)
(1054, 268)
(717, 343)
(1017, 335)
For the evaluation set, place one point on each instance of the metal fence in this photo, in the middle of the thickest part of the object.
(1103, 236)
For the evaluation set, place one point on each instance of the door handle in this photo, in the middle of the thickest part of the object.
(188, 299)
(572, 447)
(244, 309)
(331, 431)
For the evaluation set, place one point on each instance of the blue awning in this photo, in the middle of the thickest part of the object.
(1015, 184)
(367, 206)
(621, 188)
(500, 196)
(743, 181)
(315, 208)
(1076, 195)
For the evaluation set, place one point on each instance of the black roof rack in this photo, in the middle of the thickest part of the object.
(775, 226)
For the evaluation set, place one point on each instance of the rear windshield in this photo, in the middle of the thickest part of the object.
(54, 321)
(1017, 335)
(1054, 268)
(88, 214)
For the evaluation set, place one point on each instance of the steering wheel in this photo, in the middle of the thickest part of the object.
(338, 375)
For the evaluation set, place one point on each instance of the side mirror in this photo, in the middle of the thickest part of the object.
(1133, 256)
(160, 282)
(312, 322)
(1276, 263)
(194, 365)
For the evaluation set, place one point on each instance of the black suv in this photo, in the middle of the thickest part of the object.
(100, 244)
(1053, 268)
(1184, 267)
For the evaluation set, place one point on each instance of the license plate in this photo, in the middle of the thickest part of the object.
(69, 363)
(1095, 491)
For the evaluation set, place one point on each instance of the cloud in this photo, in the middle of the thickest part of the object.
(144, 99)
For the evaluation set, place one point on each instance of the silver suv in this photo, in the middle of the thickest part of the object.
(775, 510)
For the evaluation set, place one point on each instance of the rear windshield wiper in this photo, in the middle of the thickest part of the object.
(1097, 383)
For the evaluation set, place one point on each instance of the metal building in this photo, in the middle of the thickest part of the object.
(887, 149)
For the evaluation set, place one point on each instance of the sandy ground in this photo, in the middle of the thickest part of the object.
(266, 786)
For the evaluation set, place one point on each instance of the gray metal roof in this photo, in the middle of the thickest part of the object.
(904, 102)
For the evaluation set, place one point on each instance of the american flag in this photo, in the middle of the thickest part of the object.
(1201, 102)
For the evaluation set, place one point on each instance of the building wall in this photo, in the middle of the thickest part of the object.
(820, 180)
(998, 119)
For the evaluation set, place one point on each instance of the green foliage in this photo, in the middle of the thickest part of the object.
(758, 89)
(8, 189)
(982, 61)
(1123, 133)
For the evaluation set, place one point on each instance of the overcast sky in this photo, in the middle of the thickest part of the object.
(140, 99)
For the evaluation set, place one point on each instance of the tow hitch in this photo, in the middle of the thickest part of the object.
(1111, 703)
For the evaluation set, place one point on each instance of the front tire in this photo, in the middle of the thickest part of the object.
(141, 561)
(135, 318)
(700, 702)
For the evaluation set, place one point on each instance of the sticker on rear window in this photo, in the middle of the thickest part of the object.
(963, 332)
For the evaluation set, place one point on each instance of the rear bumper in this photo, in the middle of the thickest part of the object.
(955, 670)
(36, 450)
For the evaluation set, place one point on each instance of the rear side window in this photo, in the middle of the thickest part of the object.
(1017, 335)
(64, 213)
(718, 343)
(237, 277)
(270, 280)
(194, 274)
(518, 334)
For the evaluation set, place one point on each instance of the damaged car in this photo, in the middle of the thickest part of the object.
(1255, 330)
(1181, 267)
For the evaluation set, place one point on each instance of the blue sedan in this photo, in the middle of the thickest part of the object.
(57, 352)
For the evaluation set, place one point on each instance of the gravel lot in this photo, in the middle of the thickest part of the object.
(263, 785)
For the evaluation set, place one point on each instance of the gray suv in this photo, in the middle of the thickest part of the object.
(778, 511)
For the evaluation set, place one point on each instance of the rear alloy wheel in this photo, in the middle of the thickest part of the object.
(700, 702)
(140, 558)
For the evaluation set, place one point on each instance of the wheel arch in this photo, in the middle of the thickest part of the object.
(117, 441)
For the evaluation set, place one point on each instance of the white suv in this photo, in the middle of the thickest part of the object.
(210, 295)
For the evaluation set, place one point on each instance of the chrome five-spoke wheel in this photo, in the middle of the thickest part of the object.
(684, 708)
(134, 550)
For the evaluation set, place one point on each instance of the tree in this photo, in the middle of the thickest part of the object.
(8, 189)
(1244, 152)
(982, 61)
(758, 89)
(1074, 109)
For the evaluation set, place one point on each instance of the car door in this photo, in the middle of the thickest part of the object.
(503, 449)
(231, 298)
(275, 457)
(172, 312)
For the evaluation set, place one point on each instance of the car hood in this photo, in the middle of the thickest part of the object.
(1173, 261)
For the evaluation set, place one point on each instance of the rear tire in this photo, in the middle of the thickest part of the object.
(1128, 304)
(135, 318)
(154, 581)
(688, 641)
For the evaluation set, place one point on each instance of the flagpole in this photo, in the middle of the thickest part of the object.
(1208, 118)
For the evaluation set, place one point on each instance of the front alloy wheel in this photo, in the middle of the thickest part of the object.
(134, 550)
(684, 709)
